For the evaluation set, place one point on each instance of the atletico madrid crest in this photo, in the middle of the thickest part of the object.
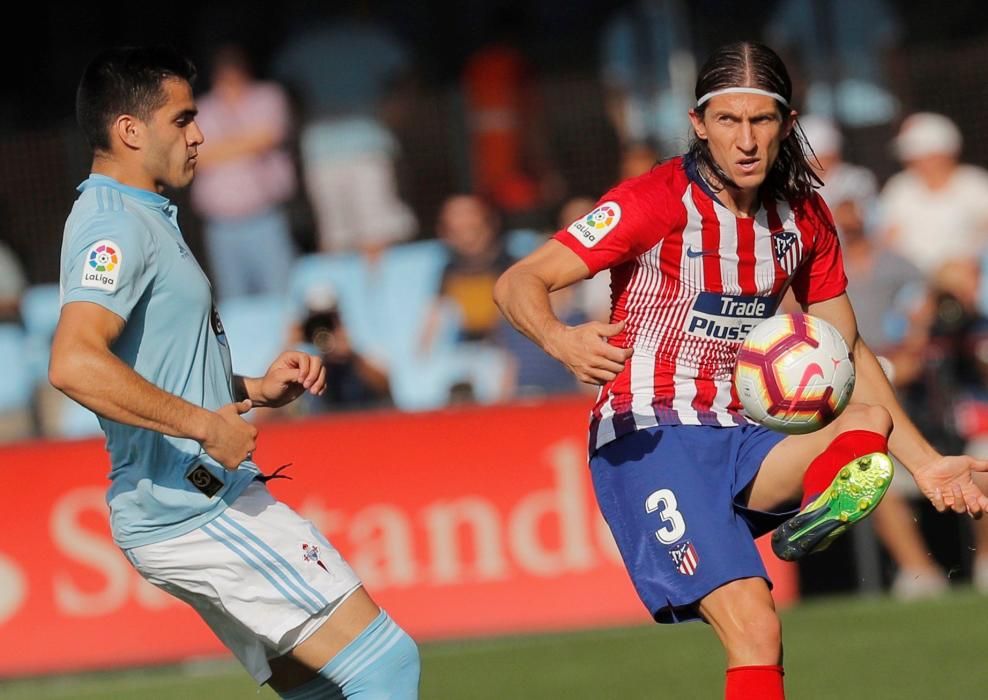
(685, 558)
(785, 245)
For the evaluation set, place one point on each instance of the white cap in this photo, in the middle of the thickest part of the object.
(926, 134)
(321, 297)
(822, 134)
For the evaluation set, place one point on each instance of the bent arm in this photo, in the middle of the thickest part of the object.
(84, 368)
(871, 386)
(522, 291)
(522, 294)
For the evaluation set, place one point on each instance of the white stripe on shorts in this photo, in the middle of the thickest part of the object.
(304, 587)
(261, 576)
(260, 564)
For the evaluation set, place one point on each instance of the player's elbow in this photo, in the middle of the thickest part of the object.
(64, 368)
(59, 374)
(502, 288)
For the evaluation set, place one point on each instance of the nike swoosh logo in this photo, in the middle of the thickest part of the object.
(812, 370)
(690, 253)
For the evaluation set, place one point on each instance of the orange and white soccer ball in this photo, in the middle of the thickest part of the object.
(794, 373)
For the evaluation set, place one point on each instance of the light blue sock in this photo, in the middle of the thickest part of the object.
(382, 663)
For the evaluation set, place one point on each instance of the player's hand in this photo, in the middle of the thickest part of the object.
(290, 376)
(231, 440)
(947, 482)
(585, 352)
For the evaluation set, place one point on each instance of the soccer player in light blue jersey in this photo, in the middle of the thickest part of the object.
(140, 343)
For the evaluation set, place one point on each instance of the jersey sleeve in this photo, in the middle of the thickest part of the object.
(627, 221)
(109, 261)
(822, 276)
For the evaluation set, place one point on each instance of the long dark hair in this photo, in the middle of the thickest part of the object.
(750, 64)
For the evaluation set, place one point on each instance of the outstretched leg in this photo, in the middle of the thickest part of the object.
(844, 470)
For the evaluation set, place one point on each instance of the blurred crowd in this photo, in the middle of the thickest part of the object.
(309, 240)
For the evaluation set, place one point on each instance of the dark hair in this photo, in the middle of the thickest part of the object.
(125, 80)
(750, 64)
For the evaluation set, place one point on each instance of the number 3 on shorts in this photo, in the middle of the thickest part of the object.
(664, 501)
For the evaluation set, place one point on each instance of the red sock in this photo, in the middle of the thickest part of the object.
(754, 683)
(844, 448)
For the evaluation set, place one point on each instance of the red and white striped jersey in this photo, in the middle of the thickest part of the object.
(692, 279)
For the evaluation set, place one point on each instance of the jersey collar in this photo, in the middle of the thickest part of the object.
(145, 196)
(694, 175)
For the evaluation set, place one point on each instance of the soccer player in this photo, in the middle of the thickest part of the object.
(700, 249)
(140, 343)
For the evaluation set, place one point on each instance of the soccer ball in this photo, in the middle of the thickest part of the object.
(794, 373)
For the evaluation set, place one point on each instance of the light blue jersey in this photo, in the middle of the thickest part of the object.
(122, 249)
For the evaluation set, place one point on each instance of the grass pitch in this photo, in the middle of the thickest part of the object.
(835, 648)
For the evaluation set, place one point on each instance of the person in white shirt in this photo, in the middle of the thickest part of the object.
(936, 209)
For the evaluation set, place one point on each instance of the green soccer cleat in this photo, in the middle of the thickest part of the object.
(851, 496)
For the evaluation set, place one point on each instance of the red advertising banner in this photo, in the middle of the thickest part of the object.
(467, 522)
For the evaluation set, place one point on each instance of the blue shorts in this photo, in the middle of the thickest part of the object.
(672, 498)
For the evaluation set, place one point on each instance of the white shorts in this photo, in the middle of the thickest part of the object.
(261, 576)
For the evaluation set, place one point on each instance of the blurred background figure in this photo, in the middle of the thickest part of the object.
(13, 282)
(353, 381)
(936, 209)
(349, 73)
(508, 142)
(846, 65)
(854, 188)
(885, 289)
(244, 178)
(947, 398)
(16, 421)
(637, 159)
(648, 70)
(470, 230)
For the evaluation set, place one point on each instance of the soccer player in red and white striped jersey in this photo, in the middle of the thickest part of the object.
(700, 250)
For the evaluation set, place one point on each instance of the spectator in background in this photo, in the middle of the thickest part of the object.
(352, 380)
(885, 289)
(936, 209)
(508, 156)
(948, 396)
(347, 74)
(470, 229)
(847, 54)
(636, 159)
(854, 187)
(648, 69)
(245, 178)
(12, 284)
(15, 410)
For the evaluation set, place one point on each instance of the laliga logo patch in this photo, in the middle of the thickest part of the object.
(597, 224)
(102, 266)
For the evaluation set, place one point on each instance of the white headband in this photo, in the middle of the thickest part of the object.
(741, 90)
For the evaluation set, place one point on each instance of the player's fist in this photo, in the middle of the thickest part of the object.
(585, 352)
(230, 440)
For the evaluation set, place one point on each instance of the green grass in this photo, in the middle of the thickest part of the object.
(835, 648)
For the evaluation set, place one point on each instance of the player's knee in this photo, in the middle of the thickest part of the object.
(875, 418)
(381, 664)
(759, 640)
